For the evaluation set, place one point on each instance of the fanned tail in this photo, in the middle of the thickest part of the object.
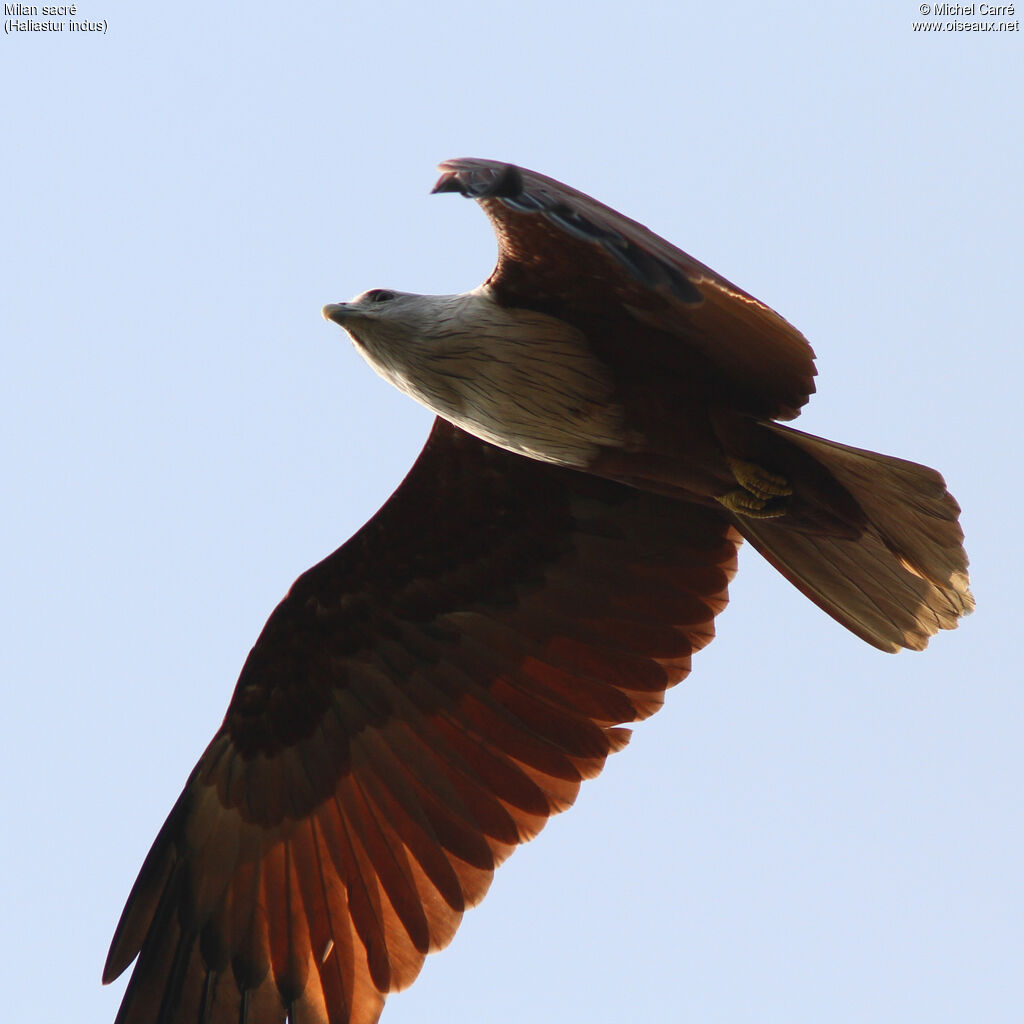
(903, 577)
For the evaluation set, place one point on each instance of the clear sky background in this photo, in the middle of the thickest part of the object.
(811, 831)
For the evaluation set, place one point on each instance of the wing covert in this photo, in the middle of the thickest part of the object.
(419, 703)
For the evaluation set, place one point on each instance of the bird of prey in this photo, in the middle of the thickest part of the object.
(424, 698)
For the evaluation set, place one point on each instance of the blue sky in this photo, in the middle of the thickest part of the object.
(811, 830)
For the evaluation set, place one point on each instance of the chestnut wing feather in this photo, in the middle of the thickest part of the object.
(562, 252)
(420, 703)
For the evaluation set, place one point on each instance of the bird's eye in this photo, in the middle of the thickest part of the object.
(379, 295)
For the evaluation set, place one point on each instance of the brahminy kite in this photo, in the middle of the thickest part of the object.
(425, 698)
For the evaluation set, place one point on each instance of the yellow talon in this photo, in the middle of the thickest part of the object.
(744, 503)
(759, 481)
(760, 494)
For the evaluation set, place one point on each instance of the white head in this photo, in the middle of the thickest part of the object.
(520, 379)
(389, 327)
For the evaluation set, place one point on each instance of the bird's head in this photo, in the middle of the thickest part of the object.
(401, 333)
(382, 318)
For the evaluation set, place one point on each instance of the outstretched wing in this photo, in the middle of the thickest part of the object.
(561, 252)
(420, 703)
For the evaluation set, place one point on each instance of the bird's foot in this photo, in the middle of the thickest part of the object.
(760, 482)
(761, 494)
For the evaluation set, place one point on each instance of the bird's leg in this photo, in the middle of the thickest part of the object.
(761, 494)
(759, 481)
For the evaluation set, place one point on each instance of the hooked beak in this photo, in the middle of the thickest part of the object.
(339, 312)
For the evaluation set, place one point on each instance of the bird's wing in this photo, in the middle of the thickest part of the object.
(420, 703)
(562, 252)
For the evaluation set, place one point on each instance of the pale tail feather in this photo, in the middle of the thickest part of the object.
(905, 577)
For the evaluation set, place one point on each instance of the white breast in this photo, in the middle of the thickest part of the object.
(524, 381)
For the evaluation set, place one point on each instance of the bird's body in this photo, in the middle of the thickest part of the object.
(427, 696)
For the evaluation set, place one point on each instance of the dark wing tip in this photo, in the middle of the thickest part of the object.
(479, 179)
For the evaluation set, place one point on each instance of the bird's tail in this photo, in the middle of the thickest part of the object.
(900, 574)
